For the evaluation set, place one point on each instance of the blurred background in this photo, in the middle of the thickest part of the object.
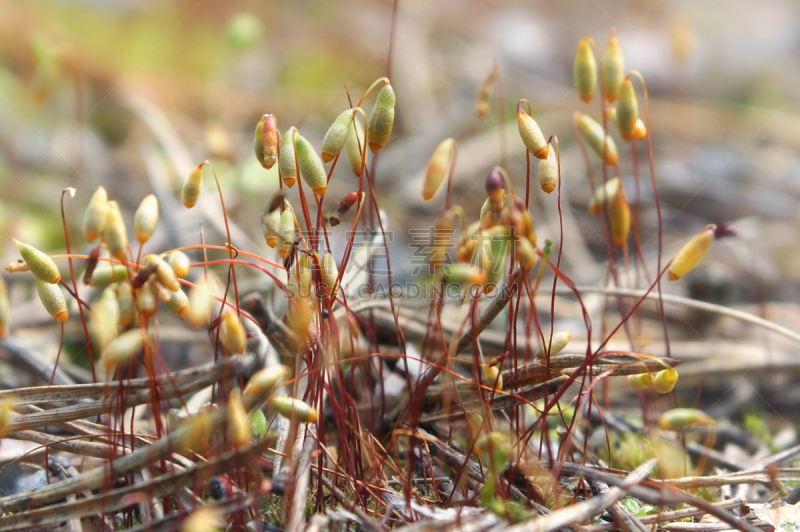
(131, 94)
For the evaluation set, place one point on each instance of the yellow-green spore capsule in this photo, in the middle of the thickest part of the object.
(269, 223)
(620, 219)
(594, 135)
(627, 110)
(232, 334)
(125, 303)
(492, 377)
(293, 409)
(613, 66)
(192, 187)
(122, 349)
(381, 119)
(665, 380)
(264, 381)
(104, 318)
(179, 262)
(106, 273)
(531, 134)
(355, 147)
(329, 273)
(114, 234)
(311, 168)
(145, 218)
(691, 253)
(584, 71)
(95, 216)
(164, 274)
(176, 302)
(286, 163)
(5, 307)
(548, 172)
(53, 300)
(286, 233)
(265, 141)
(559, 342)
(145, 300)
(239, 429)
(604, 195)
(201, 304)
(683, 418)
(524, 253)
(438, 166)
(39, 263)
(336, 136)
(463, 274)
(640, 381)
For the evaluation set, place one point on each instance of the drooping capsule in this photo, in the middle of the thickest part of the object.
(442, 238)
(491, 441)
(104, 318)
(593, 134)
(265, 141)
(193, 186)
(265, 380)
(269, 223)
(355, 147)
(639, 130)
(145, 218)
(344, 206)
(300, 315)
(381, 119)
(531, 134)
(603, 195)
(201, 304)
(490, 256)
(640, 381)
(53, 300)
(311, 168)
(91, 264)
(683, 418)
(39, 263)
(691, 253)
(179, 262)
(613, 65)
(176, 302)
(559, 342)
(239, 429)
(115, 235)
(619, 219)
(4, 307)
(438, 166)
(665, 380)
(584, 71)
(107, 273)
(164, 274)
(627, 110)
(125, 303)
(329, 273)
(287, 163)
(122, 348)
(293, 409)
(463, 274)
(336, 136)
(232, 333)
(95, 216)
(548, 172)
(287, 232)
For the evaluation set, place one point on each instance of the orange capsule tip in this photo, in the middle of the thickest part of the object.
(373, 147)
(548, 187)
(289, 181)
(327, 157)
(62, 316)
(672, 276)
(542, 153)
(586, 97)
(320, 191)
(272, 241)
